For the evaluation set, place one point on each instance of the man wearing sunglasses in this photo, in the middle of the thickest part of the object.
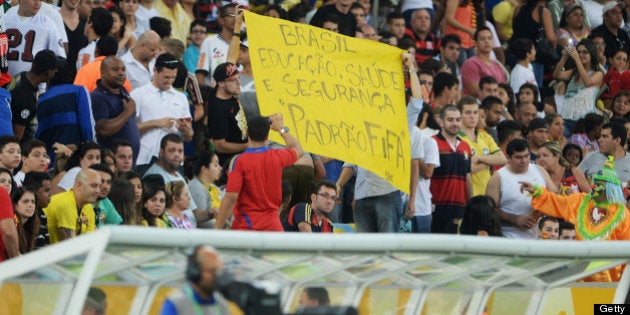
(313, 217)
(214, 49)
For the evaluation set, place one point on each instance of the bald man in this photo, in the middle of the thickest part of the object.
(199, 296)
(113, 109)
(140, 59)
(71, 213)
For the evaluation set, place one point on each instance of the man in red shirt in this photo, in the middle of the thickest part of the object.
(254, 188)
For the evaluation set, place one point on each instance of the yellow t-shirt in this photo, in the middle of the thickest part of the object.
(215, 196)
(503, 13)
(484, 145)
(62, 213)
(180, 21)
(159, 223)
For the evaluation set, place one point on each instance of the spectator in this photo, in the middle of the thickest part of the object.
(135, 26)
(6, 180)
(253, 211)
(548, 228)
(396, 28)
(71, 213)
(214, 49)
(525, 113)
(340, 9)
(198, 33)
(139, 61)
(445, 90)
(488, 86)
(173, 11)
(39, 183)
(34, 159)
(91, 72)
(157, 119)
(137, 187)
(556, 129)
(359, 14)
(523, 72)
(614, 37)
(314, 297)
(526, 24)
(586, 133)
(464, 19)
(161, 26)
(177, 201)
(480, 218)
(153, 205)
(503, 14)
(514, 209)
(572, 29)
(537, 134)
(26, 220)
(312, 217)
(119, 31)
(480, 65)
(123, 156)
(485, 152)
(108, 158)
(122, 198)
(454, 171)
(617, 78)
(621, 105)
(585, 80)
(23, 89)
(99, 24)
(72, 103)
(420, 32)
(568, 178)
(87, 153)
(9, 242)
(20, 22)
(566, 231)
(493, 107)
(611, 141)
(146, 11)
(74, 26)
(200, 293)
(205, 171)
(600, 44)
(449, 54)
(114, 109)
(506, 94)
(104, 209)
(10, 153)
(573, 154)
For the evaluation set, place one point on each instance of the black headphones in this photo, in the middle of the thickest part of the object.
(193, 271)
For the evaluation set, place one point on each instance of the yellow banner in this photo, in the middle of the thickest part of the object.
(342, 97)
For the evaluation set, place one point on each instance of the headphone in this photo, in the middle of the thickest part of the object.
(193, 271)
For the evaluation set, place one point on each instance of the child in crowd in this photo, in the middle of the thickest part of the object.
(548, 228)
(617, 78)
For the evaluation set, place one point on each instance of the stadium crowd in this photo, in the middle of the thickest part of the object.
(145, 113)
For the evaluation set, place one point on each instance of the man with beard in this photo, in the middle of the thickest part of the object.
(199, 296)
(171, 156)
(104, 209)
(70, 213)
(313, 217)
(113, 109)
(493, 106)
(454, 172)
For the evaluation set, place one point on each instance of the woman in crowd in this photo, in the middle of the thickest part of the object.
(463, 18)
(178, 200)
(621, 105)
(6, 180)
(153, 205)
(124, 36)
(584, 78)
(205, 170)
(567, 178)
(26, 222)
(571, 29)
(137, 184)
(108, 158)
(135, 26)
(586, 133)
(122, 197)
(480, 218)
(573, 154)
(556, 129)
(506, 94)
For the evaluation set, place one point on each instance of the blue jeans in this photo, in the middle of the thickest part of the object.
(421, 224)
(378, 213)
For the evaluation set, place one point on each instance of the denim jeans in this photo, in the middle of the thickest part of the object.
(378, 213)
(421, 224)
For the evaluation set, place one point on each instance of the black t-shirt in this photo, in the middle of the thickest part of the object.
(226, 121)
(76, 41)
(23, 104)
(347, 22)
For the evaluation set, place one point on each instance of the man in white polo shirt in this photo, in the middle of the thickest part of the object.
(160, 109)
(140, 59)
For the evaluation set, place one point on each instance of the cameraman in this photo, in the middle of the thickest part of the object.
(199, 296)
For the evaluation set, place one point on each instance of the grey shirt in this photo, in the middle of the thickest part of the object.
(594, 162)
